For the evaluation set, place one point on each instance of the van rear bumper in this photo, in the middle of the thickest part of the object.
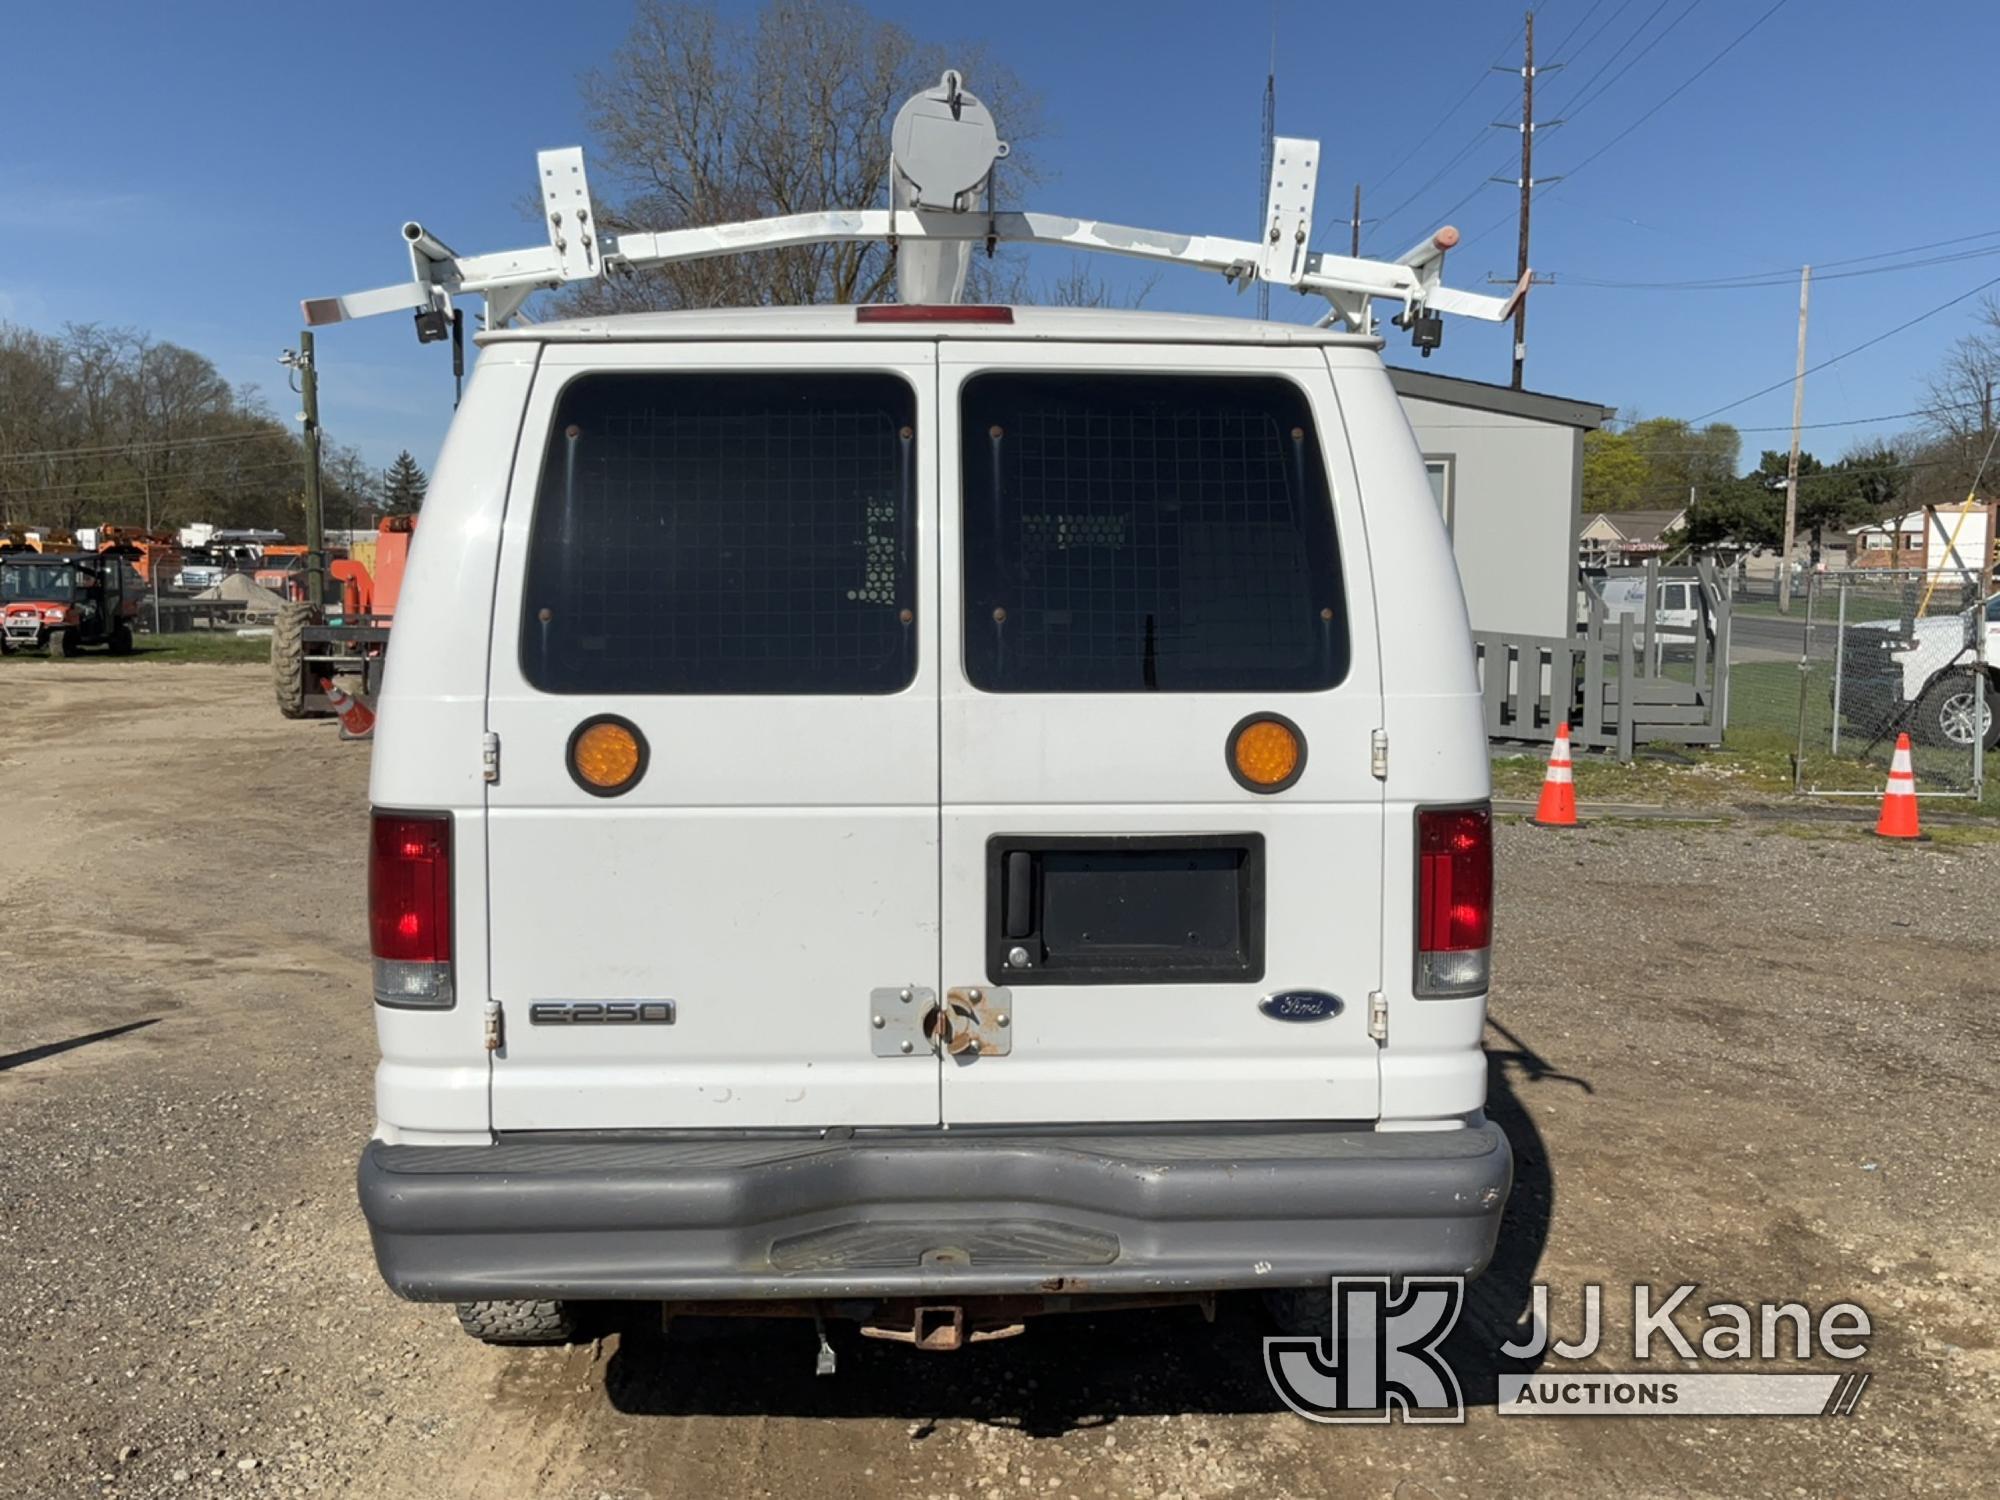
(902, 1213)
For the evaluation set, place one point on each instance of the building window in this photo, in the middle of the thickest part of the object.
(1442, 469)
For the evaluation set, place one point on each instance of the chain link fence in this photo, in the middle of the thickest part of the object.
(1862, 657)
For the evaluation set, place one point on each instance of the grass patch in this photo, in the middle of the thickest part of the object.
(1963, 835)
(1754, 766)
(219, 646)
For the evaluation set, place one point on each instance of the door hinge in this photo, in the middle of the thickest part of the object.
(489, 756)
(496, 1026)
(1378, 1016)
(1378, 754)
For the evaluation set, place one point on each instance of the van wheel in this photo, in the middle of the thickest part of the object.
(517, 1322)
(1949, 708)
(65, 643)
(120, 643)
(1301, 1311)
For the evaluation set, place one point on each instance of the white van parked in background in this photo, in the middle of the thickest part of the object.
(899, 812)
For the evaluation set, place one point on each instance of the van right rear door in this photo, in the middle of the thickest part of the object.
(1147, 549)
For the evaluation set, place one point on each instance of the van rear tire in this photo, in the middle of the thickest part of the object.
(518, 1322)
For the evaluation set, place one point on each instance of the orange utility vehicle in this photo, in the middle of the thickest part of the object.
(61, 602)
(350, 638)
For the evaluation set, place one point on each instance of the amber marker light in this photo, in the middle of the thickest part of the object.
(607, 755)
(1266, 753)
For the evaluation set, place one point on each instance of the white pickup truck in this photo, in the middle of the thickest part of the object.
(1924, 675)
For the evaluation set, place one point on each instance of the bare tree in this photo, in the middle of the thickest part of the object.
(705, 120)
(104, 424)
(1960, 394)
(1960, 414)
(1079, 286)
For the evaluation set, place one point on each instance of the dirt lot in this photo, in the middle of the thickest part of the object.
(1732, 1056)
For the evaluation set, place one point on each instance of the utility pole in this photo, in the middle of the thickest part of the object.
(1354, 226)
(1792, 466)
(1527, 185)
(152, 552)
(1527, 195)
(315, 518)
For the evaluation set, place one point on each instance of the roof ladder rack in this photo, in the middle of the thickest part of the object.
(944, 148)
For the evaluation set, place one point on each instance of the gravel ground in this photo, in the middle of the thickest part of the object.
(1731, 1056)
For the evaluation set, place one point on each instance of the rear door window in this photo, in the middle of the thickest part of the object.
(725, 533)
(1129, 533)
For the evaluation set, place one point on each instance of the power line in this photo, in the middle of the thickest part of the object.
(1847, 353)
(1585, 86)
(1678, 90)
(136, 486)
(1485, 76)
(1486, 179)
(1684, 86)
(228, 437)
(1891, 416)
(1789, 279)
(1855, 260)
(1596, 5)
(1463, 152)
(1586, 97)
(1591, 40)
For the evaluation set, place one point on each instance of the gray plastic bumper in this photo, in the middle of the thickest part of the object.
(902, 1213)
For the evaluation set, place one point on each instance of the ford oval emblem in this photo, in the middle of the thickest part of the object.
(1300, 1005)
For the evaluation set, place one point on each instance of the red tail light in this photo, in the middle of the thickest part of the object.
(409, 907)
(1454, 899)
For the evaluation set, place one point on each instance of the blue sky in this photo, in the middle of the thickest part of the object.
(194, 170)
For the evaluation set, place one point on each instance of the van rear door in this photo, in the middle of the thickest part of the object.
(718, 550)
(1151, 551)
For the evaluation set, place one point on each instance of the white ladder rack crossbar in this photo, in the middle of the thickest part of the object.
(577, 252)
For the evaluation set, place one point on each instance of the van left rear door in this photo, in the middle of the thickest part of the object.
(716, 550)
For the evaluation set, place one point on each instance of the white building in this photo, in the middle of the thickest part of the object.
(1506, 467)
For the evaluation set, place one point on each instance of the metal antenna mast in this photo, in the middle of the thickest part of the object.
(1270, 137)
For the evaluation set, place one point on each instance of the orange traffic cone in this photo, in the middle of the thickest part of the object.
(1899, 799)
(357, 719)
(1557, 808)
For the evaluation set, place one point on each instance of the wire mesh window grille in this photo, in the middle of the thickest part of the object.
(1147, 533)
(725, 533)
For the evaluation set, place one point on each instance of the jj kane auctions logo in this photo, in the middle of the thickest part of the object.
(1381, 1355)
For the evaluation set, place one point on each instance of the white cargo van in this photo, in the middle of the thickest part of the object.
(930, 813)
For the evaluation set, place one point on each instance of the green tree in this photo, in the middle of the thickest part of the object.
(403, 485)
(1614, 471)
(1655, 462)
(1867, 485)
